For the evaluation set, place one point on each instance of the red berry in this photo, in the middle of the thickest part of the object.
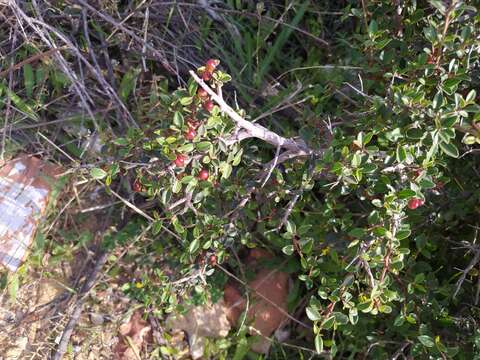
(137, 187)
(415, 203)
(180, 160)
(190, 134)
(202, 93)
(203, 174)
(211, 64)
(208, 105)
(213, 259)
(206, 76)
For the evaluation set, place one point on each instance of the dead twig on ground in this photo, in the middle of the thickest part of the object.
(78, 307)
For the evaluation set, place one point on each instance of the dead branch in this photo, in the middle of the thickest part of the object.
(297, 147)
(78, 308)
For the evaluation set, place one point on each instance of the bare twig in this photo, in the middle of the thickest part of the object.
(99, 74)
(471, 265)
(401, 350)
(31, 60)
(448, 18)
(255, 130)
(287, 213)
(161, 57)
(78, 308)
(91, 280)
(272, 167)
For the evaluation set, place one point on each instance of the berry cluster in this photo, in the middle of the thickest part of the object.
(197, 107)
(415, 203)
(207, 75)
(202, 99)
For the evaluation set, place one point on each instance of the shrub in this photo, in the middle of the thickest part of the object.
(368, 194)
(366, 211)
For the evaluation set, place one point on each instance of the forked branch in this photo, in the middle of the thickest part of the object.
(295, 147)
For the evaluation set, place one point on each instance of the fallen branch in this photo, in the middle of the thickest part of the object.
(78, 308)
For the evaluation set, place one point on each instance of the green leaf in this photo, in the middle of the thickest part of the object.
(186, 101)
(157, 227)
(290, 227)
(365, 306)
(98, 173)
(340, 318)
(471, 96)
(13, 286)
(451, 85)
(19, 103)
(427, 184)
(357, 232)
(353, 315)
(449, 149)
(439, 5)
(28, 79)
(356, 160)
(237, 158)
(225, 169)
(313, 314)
(318, 344)
(372, 27)
(288, 250)
(186, 148)
(426, 341)
(128, 84)
(430, 34)
(405, 194)
(203, 146)
(186, 179)
(194, 245)
(178, 119)
(403, 234)
(437, 100)
(328, 323)
(399, 320)
(176, 187)
(120, 141)
(415, 133)
(241, 350)
(401, 154)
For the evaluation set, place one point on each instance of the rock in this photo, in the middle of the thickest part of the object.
(48, 290)
(134, 334)
(267, 310)
(268, 302)
(198, 322)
